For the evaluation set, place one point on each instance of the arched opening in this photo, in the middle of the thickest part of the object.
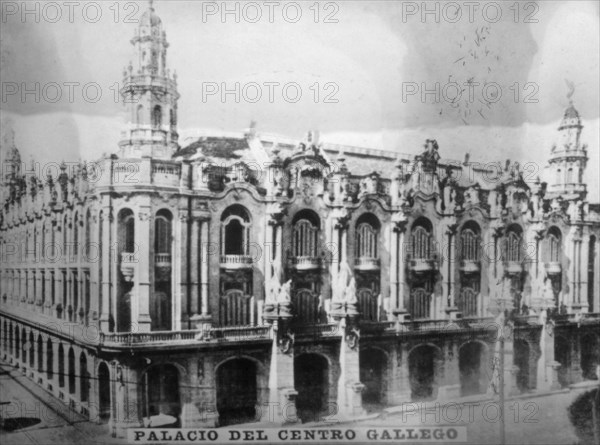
(311, 380)
(40, 354)
(562, 354)
(237, 391)
(139, 114)
(49, 359)
(590, 356)
(471, 364)
(17, 342)
(61, 366)
(368, 304)
(162, 407)
(157, 116)
(71, 371)
(235, 231)
(104, 392)
(161, 306)
(305, 234)
(553, 245)
(84, 380)
(367, 237)
(423, 364)
(421, 240)
(31, 347)
(373, 374)
(521, 360)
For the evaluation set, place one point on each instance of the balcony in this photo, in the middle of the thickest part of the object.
(166, 174)
(305, 263)
(553, 268)
(128, 261)
(162, 266)
(235, 262)
(469, 266)
(422, 265)
(366, 264)
(513, 267)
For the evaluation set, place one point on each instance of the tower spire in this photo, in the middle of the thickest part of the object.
(150, 93)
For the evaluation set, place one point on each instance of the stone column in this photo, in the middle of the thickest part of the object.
(142, 276)
(583, 273)
(349, 394)
(282, 394)
(547, 366)
(399, 386)
(576, 371)
(195, 246)
(393, 234)
(449, 388)
(196, 411)
(105, 286)
(451, 309)
(127, 413)
(204, 268)
(184, 249)
(400, 310)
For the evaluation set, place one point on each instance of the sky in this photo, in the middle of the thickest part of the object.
(362, 73)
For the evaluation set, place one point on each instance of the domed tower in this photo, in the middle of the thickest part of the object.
(150, 94)
(568, 158)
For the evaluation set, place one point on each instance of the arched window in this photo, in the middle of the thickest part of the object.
(88, 232)
(61, 366)
(83, 378)
(139, 118)
(172, 120)
(40, 354)
(49, 359)
(305, 236)
(235, 231)
(163, 232)
(558, 176)
(470, 242)
(592, 285)
(421, 247)
(554, 244)
(31, 346)
(157, 116)
(570, 178)
(367, 234)
(65, 228)
(71, 371)
(127, 231)
(75, 244)
(514, 244)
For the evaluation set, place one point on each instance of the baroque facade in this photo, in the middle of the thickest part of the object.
(248, 278)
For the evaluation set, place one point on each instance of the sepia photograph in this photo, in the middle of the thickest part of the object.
(304, 222)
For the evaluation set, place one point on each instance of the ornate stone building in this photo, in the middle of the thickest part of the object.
(244, 278)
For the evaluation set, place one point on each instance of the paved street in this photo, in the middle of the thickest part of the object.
(534, 420)
(37, 420)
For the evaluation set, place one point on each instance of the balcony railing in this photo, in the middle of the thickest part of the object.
(513, 267)
(235, 261)
(240, 333)
(419, 265)
(318, 330)
(553, 268)
(305, 262)
(366, 263)
(469, 266)
(128, 261)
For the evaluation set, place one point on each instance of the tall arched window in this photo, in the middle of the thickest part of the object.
(61, 366)
(367, 237)
(75, 244)
(591, 277)
(139, 118)
(163, 232)
(558, 176)
(88, 233)
(49, 359)
(71, 371)
(570, 178)
(470, 242)
(157, 116)
(554, 244)
(235, 231)
(305, 235)
(421, 247)
(126, 231)
(514, 244)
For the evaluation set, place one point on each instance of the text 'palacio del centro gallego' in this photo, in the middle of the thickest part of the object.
(244, 278)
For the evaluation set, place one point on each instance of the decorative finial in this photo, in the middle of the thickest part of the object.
(151, 5)
(571, 87)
